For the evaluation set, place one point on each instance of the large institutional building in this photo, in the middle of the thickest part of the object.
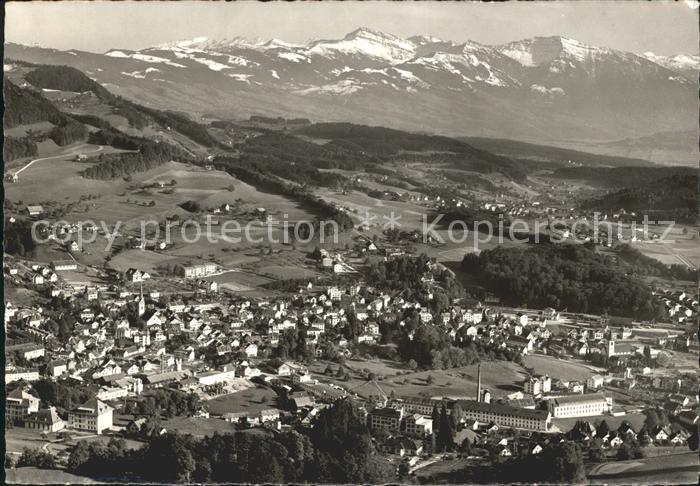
(92, 416)
(196, 271)
(506, 416)
(580, 405)
(19, 405)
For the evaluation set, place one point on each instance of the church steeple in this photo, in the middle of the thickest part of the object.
(142, 303)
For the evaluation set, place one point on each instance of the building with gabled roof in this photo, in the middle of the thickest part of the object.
(45, 420)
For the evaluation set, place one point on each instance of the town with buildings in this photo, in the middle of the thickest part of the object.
(90, 361)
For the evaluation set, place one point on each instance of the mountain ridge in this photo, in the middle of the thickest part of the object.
(572, 92)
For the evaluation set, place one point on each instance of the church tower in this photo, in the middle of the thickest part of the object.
(142, 303)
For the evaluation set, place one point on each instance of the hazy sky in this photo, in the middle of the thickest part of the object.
(662, 27)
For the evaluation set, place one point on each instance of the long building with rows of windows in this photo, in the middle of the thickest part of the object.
(506, 416)
(580, 405)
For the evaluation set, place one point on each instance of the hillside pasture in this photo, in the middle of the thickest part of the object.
(557, 368)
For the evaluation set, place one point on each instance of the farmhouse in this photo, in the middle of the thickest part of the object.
(35, 210)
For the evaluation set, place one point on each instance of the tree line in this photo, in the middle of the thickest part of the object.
(150, 154)
(337, 449)
(18, 147)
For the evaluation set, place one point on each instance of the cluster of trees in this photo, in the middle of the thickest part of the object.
(278, 121)
(36, 458)
(614, 177)
(24, 107)
(191, 206)
(92, 120)
(68, 132)
(431, 347)
(19, 147)
(292, 344)
(337, 449)
(490, 351)
(117, 139)
(564, 276)
(415, 278)
(165, 402)
(18, 237)
(673, 198)
(444, 427)
(150, 155)
(558, 463)
(63, 78)
(296, 159)
(60, 394)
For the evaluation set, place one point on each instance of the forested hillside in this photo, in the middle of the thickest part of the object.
(70, 79)
(672, 198)
(564, 277)
(148, 155)
(616, 177)
(16, 148)
(24, 107)
(387, 142)
(546, 153)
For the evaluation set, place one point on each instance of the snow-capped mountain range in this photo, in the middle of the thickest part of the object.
(544, 88)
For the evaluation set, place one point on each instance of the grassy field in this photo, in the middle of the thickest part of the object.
(671, 469)
(145, 260)
(499, 377)
(557, 368)
(197, 426)
(32, 475)
(18, 438)
(249, 400)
